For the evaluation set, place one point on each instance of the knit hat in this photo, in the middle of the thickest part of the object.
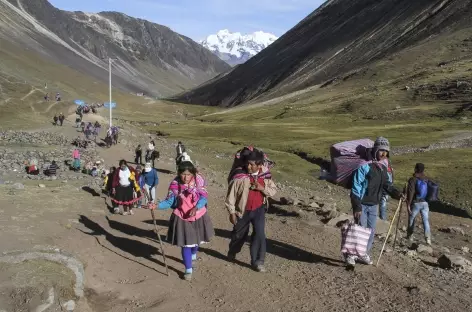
(382, 143)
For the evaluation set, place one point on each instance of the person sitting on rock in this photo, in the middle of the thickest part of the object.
(33, 169)
(52, 169)
(94, 171)
(416, 203)
(76, 160)
(369, 182)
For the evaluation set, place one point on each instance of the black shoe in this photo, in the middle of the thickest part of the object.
(231, 257)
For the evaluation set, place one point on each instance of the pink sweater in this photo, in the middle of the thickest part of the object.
(186, 204)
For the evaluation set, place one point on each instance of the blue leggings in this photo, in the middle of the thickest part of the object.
(188, 255)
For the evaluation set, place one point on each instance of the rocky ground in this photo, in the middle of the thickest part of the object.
(64, 251)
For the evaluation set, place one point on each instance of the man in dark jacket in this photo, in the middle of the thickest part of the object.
(416, 193)
(370, 182)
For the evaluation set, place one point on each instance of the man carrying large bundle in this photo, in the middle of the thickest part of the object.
(369, 182)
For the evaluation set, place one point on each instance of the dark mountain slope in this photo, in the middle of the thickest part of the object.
(340, 36)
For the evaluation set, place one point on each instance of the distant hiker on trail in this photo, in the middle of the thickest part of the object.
(180, 148)
(61, 118)
(58, 97)
(52, 169)
(55, 119)
(383, 208)
(245, 202)
(46, 97)
(124, 183)
(151, 153)
(88, 130)
(369, 182)
(151, 180)
(138, 155)
(416, 193)
(140, 181)
(114, 134)
(78, 120)
(183, 157)
(97, 127)
(189, 225)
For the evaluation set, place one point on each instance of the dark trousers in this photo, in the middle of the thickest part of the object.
(138, 159)
(258, 238)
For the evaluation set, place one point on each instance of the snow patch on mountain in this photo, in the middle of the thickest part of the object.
(236, 48)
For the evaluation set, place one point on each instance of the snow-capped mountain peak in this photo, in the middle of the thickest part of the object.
(236, 48)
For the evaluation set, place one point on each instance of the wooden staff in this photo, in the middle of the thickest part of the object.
(150, 206)
(389, 229)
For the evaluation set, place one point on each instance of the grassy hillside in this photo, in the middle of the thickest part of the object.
(413, 99)
(407, 98)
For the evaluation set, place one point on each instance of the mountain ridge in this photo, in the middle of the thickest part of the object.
(236, 48)
(151, 58)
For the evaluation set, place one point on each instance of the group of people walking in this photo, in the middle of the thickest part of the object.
(58, 120)
(190, 224)
(250, 185)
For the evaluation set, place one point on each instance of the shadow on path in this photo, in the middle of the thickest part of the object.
(91, 191)
(277, 248)
(447, 209)
(130, 246)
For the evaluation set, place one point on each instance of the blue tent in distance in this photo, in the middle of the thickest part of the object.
(107, 105)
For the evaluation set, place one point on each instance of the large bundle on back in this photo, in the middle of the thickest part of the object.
(238, 163)
(346, 157)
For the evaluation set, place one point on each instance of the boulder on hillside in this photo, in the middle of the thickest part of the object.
(339, 221)
(452, 230)
(424, 250)
(455, 262)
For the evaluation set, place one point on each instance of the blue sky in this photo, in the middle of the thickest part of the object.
(199, 18)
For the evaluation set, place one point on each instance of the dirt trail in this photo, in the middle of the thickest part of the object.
(33, 90)
(124, 270)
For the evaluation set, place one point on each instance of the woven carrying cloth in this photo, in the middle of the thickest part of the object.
(354, 239)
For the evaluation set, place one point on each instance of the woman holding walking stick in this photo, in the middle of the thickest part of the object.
(190, 225)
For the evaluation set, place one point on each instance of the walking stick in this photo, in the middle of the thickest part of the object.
(148, 196)
(398, 224)
(389, 229)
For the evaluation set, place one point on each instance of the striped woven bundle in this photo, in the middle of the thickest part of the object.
(346, 157)
(354, 239)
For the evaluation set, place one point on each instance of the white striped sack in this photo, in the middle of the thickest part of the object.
(354, 239)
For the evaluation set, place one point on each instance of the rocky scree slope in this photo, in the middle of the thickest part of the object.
(337, 38)
(150, 58)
